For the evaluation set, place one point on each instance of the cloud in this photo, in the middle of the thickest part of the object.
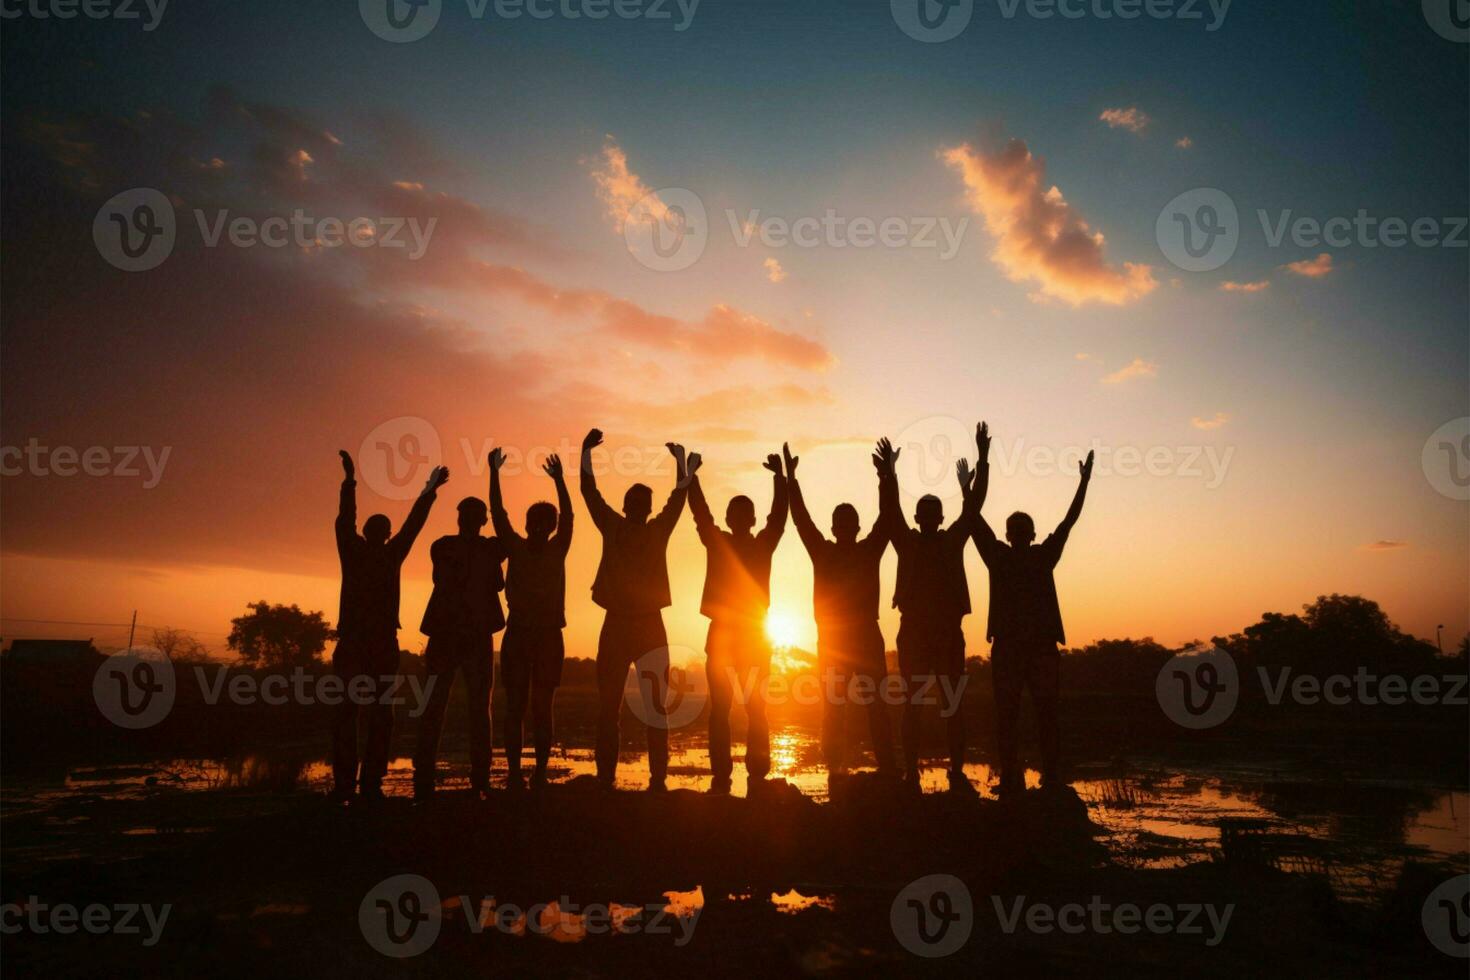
(1312, 268)
(1133, 119)
(1138, 368)
(1184, 142)
(1245, 287)
(1038, 236)
(725, 332)
(774, 272)
(620, 189)
(1385, 545)
(1213, 423)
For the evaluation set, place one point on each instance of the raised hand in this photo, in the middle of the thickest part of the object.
(497, 459)
(791, 460)
(1087, 466)
(692, 464)
(963, 471)
(982, 440)
(347, 468)
(552, 467)
(592, 440)
(773, 463)
(887, 455)
(437, 478)
(677, 450)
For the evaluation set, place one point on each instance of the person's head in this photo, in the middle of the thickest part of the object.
(540, 521)
(376, 529)
(845, 524)
(472, 515)
(638, 503)
(740, 514)
(1020, 529)
(929, 513)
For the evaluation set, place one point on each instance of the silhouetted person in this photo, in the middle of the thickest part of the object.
(737, 595)
(461, 621)
(933, 599)
(367, 630)
(849, 641)
(1024, 629)
(632, 584)
(532, 652)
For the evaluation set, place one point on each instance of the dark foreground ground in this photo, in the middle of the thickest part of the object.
(273, 885)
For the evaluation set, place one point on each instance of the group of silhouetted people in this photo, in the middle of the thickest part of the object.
(632, 586)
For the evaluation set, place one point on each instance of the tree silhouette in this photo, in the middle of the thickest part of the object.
(178, 646)
(278, 636)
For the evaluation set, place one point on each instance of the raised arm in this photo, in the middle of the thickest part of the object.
(564, 517)
(499, 519)
(890, 511)
(973, 485)
(602, 515)
(346, 525)
(985, 539)
(1075, 511)
(685, 465)
(780, 504)
(704, 521)
(806, 529)
(402, 542)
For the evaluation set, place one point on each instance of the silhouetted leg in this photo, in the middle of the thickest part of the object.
(757, 729)
(1045, 671)
(719, 671)
(346, 662)
(515, 673)
(439, 668)
(479, 675)
(834, 733)
(880, 729)
(954, 672)
(911, 658)
(612, 675)
(1008, 677)
(652, 650)
(380, 716)
(542, 695)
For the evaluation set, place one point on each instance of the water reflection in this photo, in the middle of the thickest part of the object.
(1356, 833)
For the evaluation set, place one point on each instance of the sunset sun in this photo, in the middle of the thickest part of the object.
(781, 629)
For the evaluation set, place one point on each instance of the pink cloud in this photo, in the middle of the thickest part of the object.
(1137, 368)
(1039, 237)
(1245, 287)
(1217, 422)
(1133, 119)
(1312, 268)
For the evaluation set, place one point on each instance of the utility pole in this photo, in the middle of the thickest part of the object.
(131, 628)
(1437, 641)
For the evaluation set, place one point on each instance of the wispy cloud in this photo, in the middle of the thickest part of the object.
(774, 271)
(1133, 119)
(1184, 142)
(1138, 368)
(1385, 545)
(1039, 237)
(620, 189)
(1212, 423)
(1245, 287)
(1312, 268)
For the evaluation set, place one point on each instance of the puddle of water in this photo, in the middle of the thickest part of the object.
(794, 901)
(1358, 833)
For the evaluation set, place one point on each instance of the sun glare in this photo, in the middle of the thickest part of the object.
(781, 629)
